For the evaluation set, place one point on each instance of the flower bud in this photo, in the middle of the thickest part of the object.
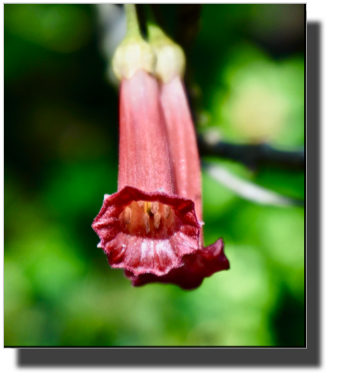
(131, 55)
(170, 56)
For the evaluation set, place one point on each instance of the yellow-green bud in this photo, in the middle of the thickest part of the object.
(170, 56)
(131, 55)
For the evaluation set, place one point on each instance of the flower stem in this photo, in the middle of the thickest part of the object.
(133, 28)
(155, 32)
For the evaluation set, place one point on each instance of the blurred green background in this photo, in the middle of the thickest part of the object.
(246, 77)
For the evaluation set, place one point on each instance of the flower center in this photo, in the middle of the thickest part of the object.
(147, 218)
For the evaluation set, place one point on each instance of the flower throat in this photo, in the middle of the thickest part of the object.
(150, 218)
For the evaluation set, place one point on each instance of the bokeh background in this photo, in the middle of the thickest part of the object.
(246, 82)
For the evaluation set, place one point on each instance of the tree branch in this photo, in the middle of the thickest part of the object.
(248, 190)
(252, 155)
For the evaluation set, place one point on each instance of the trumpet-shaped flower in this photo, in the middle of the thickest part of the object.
(205, 261)
(152, 226)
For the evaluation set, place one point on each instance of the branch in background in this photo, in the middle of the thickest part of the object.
(112, 26)
(248, 190)
(251, 155)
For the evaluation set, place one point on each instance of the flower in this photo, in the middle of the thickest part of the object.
(205, 261)
(152, 226)
(145, 227)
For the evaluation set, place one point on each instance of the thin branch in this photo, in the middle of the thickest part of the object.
(249, 190)
(252, 155)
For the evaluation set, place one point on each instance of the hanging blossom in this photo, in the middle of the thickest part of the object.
(147, 227)
(205, 261)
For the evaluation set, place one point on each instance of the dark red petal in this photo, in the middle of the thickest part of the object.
(203, 263)
(157, 251)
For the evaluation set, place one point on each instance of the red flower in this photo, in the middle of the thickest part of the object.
(182, 140)
(145, 227)
(149, 227)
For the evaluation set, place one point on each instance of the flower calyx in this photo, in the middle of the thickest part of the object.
(170, 56)
(133, 53)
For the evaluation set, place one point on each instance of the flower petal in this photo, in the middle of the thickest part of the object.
(203, 263)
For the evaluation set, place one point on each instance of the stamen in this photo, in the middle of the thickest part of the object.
(147, 206)
(145, 215)
(127, 215)
(146, 222)
(154, 207)
(157, 220)
(166, 211)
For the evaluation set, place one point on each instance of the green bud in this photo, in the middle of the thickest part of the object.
(131, 55)
(170, 56)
